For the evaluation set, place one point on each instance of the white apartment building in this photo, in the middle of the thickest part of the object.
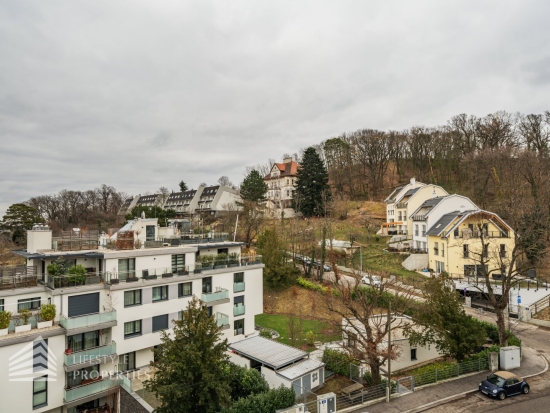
(429, 213)
(403, 202)
(108, 320)
(280, 188)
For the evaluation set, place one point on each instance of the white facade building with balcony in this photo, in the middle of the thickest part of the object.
(281, 182)
(109, 319)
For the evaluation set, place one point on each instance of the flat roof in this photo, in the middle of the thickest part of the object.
(268, 352)
(300, 369)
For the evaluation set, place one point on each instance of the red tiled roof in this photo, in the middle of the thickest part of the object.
(286, 169)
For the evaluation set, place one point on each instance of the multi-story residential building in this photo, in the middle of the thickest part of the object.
(184, 203)
(150, 200)
(280, 188)
(393, 225)
(216, 199)
(136, 283)
(431, 210)
(461, 243)
(128, 205)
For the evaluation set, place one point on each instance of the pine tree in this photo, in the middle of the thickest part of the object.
(312, 189)
(183, 186)
(192, 363)
(253, 188)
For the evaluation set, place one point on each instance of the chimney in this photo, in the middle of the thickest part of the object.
(413, 183)
(39, 238)
(287, 160)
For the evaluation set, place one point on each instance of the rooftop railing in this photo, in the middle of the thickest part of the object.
(20, 276)
(74, 280)
(419, 217)
(478, 234)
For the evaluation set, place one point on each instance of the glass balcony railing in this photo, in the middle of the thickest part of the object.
(97, 386)
(87, 320)
(222, 319)
(238, 310)
(238, 287)
(219, 294)
(90, 354)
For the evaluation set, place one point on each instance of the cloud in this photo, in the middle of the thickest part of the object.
(141, 94)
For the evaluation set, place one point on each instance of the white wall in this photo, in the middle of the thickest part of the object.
(423, 354)
(273, 379)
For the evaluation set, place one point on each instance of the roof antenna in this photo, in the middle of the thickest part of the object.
(433, 194)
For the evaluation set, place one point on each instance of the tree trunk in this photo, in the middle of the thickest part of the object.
(375, 374)
(501, 324)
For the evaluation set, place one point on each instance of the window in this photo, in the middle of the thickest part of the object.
(126, 268)
(185, 289)
(209, 311)
(207, 285)
(132, 328)
(84, 341)
(502, 254)
(160, 322)
(413, 354)
(442, 250)
(1, 304)
(40, 392)
(465, 250)
(127, 362)
(238, 326)
(132, 297)
(238, 277)
(160, 293)
(423, 230)
(416, 230)
(178, 262)
(75, 378)
(28, 303)
(352, 340)
(436, 248)
(486, 251)
(150, 232)
(456, 232)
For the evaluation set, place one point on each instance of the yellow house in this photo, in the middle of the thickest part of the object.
(470, 243)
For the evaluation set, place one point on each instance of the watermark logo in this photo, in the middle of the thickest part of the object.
(33, 361)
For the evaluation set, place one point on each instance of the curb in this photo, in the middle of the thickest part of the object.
(460, 395)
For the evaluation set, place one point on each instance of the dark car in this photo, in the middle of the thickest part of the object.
(503, 384)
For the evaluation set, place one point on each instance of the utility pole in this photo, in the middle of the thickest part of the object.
(388, 388)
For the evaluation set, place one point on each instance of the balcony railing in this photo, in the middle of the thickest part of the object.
(238, 287)
(219, 294)
(477, 234)
(238, 310)
(87, 320)
(19, 276)
(90, 354)
(222, 319)
(96, 386)
(419, 217)
(419, 250)
(74, 280)
(401, 205)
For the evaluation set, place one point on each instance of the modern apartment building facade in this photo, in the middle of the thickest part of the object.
(108, 320)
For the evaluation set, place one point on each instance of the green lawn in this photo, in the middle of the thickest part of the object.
(279, 323)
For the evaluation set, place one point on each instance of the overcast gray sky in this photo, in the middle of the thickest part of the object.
(141, 94)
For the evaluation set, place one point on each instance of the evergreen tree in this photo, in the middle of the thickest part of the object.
(155, 211)
(277, 272)
(312, 189)
(253, 188)
(183, 186)
(191, 367)
(18, 219)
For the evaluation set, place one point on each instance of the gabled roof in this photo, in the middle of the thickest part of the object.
(439, 227)
(268, 352)
(442, 225)
(285, 169)
(181, 195)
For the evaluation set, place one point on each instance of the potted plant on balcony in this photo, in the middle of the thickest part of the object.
(220, 261)
(146, 276)
(207, 262)
(233, 259)
(76, 275)
(167, 273)
(47, 314)
(5, 318)
(23, 321)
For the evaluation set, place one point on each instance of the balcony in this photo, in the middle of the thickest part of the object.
(222, 320)
(419, 250)
(220, 296)
(401, 205)
(419, 217)
(238, 287)
(91, 355)
(96, 387)
(19, 276)
(238, 310)
(88, 320)
(477, 234)
(74, 280)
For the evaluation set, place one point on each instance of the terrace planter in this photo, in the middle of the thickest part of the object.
(207, 268)
(183, 272)
(197, 271)
(150, 277)
(20, 329)
(131, 279)
(234, 264)
(44, 324)
(167, 275)
(3, 332)
(115, 281)
(220, 266)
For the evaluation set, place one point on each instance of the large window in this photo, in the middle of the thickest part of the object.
(132, 328)
(185, 289)
(127, 362)
(178, 262)
(466, 250)
(238, 327)
(75, 378)
(84, 341)
(132, 297)
(160, 322)
(413, 354)
(126, 268)
(160, 293)
(150, 232)
(238, 277)
(40, 392)
(28, 303)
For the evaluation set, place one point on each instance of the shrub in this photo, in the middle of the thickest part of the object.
(25, 314)
(267, 402)
(5, 318)
(245, 382)
(266, 334)
(77, 269)
(310, 338)
(338, 361)
(47, 312)
(310, 285)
